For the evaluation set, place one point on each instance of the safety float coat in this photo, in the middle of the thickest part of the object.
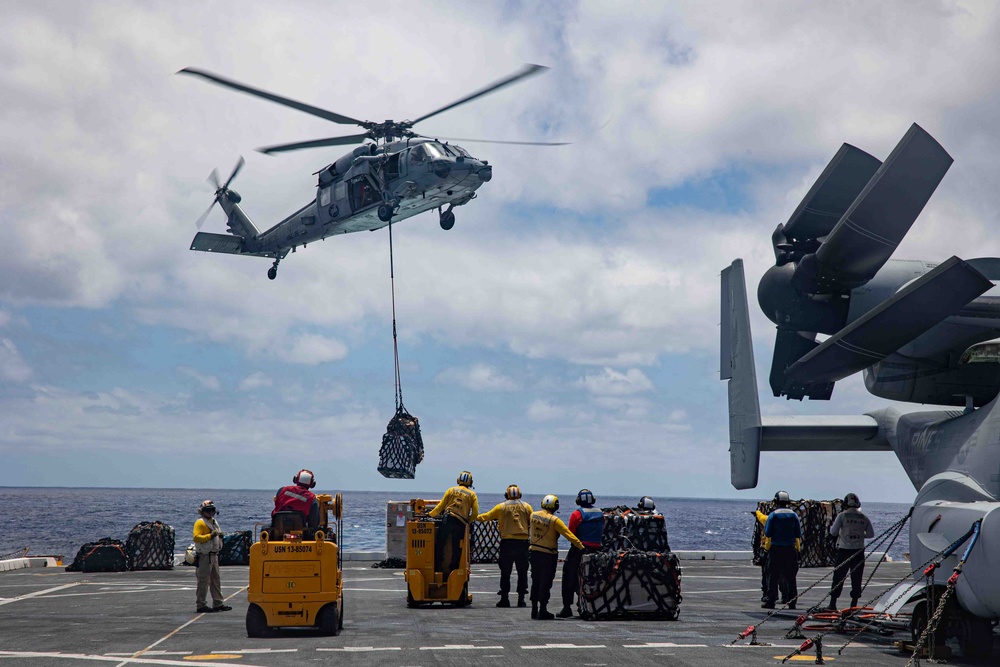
(460, 502)
(202, 535)
(513, 516)
(546, 528)
(851, 527)
(588, 525)
(294, 499)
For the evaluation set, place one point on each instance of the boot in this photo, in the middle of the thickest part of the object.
(534, 610)
(854, 602)
(520, 601)
(833, 605)
(565, 613)
(544, 614)
(504, 602)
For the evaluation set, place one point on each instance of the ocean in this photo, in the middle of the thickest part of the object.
(58, 521)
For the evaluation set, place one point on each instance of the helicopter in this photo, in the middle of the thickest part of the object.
(395, 174)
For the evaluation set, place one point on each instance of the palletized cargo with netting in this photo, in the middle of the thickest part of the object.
(819, 548)
(402, 447)
(624, 584)
(236, 548)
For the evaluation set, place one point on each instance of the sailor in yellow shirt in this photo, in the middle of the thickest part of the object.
(460, 506)
(545, 530)
(514, 517)
(207, 536)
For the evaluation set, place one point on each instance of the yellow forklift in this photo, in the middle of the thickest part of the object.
(424, 584)
(295, 573)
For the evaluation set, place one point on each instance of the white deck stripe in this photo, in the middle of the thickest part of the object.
(260, 650)
(664, 645)
(460, 647)
(105, 658)
(37, 593)
(543, 646)
(362, 649)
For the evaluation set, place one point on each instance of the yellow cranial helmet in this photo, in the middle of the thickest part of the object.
(465, 478)
(550, 502)
(512, 493)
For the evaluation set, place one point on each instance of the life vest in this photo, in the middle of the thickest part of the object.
(514, 520)
(212, 544)
(294, 499)
(591, 527)
(460, 506)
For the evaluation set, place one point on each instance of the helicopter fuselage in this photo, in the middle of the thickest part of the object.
(362, 191)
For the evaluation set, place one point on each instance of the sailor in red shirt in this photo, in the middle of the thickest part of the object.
(299, 498)
(587, 523)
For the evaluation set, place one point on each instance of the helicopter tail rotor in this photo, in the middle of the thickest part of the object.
(221, 190)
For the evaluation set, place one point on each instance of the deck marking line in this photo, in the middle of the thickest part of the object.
(260, 650)
(458, 647)
(37, 593)
(664, 645)
(174, 632)
(360, 649)
(104, 658)
(564, 646)
(125, 655)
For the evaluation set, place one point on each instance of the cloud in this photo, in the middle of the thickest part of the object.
(256, 380)
(206, 381)
(610, 382)
(313, 349)
(478, 377)
(542, 411)
(12, 367)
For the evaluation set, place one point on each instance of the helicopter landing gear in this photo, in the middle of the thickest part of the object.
(385, 212)
(447, 219)
(272, 273)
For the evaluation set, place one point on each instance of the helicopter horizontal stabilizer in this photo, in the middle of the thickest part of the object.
(925, 302)
(224, 243)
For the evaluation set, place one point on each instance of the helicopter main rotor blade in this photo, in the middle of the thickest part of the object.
(213, 178)
(496, 141)
(309, 109)
(316, 143)
(239, 165)
(523, 73)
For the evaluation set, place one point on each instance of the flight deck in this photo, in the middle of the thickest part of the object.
(52, 617)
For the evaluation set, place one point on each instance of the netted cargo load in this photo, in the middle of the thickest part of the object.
(103, 555)
(629, 584)
(819, 548)
(236, 548)
(484, 543)
(402, 447)
(150, 546)
(629, 529)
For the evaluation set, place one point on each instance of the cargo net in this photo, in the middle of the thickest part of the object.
(819, 548)
(235, 548)
(484, 543)
(150, 546)
(103, 555)
(402, 446)
(626, 528)
(629, 584)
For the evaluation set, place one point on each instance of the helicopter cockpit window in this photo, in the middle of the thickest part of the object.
(458, 150)
(418, 154)
(435, 151)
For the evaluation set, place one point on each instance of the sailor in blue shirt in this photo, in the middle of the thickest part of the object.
(785, 531)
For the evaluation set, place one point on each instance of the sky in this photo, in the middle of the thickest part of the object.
(565, 332)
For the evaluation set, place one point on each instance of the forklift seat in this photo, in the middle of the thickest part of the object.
(286, 522)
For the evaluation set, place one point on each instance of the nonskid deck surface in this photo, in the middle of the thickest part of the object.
(59, 618)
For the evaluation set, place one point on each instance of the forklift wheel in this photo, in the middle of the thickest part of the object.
(463, 600)
(340, 623)
(410, 602)
(256, 622)
(328, 620)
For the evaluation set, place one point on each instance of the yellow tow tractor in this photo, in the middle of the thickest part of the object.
(424, 584)
(295, 573)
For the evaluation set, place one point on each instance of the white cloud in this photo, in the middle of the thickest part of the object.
(206, 381)
(541, 410)
(610, 382)
(256, 380)
(312, 349)
(478, 377)
(4, 319)
(12, 367)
